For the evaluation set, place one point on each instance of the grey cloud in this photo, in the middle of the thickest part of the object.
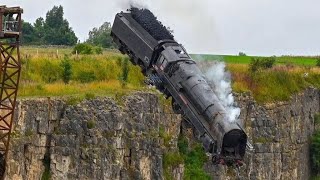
(264, 27)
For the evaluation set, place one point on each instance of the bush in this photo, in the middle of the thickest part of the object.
(98, 50)
(258, 64)
(66, 69)
(318, 62)
(194, 159)
(50, 71)
(91, 124)
(125, 72)
(315, 153)
(171, 160)
(83, 48)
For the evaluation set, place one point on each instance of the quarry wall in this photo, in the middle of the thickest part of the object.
(120, 138)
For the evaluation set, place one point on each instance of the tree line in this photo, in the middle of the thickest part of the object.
(54, 29)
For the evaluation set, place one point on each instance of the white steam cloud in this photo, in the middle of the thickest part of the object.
(220, 81)
(126, 4)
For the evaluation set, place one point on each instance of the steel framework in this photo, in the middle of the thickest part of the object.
(10, 67)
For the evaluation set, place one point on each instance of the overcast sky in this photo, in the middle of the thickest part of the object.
(256, 27)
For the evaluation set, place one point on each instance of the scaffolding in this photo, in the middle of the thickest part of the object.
(10, 67)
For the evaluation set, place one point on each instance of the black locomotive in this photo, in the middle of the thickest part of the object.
(170, 68)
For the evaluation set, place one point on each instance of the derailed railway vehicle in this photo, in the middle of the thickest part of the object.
(170, 68)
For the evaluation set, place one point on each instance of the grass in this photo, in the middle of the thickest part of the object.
(171, 160)
(276, 84)
(194, 158)
(102, 75)
(282, 60)
(91, 75)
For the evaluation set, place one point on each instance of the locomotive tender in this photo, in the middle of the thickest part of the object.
(170, 68)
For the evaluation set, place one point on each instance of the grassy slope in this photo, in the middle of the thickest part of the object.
(289, 76)
(41, 75)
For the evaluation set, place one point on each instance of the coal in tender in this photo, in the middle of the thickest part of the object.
(150, 23)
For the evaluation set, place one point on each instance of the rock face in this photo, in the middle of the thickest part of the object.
(280, 134)
(106, 138)
(95, 139)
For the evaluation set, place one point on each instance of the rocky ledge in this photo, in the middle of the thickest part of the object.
(121, 138)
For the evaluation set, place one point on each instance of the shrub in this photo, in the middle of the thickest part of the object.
(318, 62)
(50, 71)
(171, 160)
(183, 145)
(66, 69)
(91, 124)
(194, 159)
(258, 64)
(125, 72)
(98, 50)
(83, 48)
(315, 153)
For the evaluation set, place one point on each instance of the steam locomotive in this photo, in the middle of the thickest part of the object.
(170, 68)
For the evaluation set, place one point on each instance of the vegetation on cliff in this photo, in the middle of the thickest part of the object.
(315, 149)
(194, 159)
(44, 74)
(49, 72)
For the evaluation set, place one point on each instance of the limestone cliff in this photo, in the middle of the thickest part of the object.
(280, 133)
(106, 138)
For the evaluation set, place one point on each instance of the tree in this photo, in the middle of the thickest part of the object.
(54, 30)
(39, 31)
(57, 28)
(28, 34)
(242, 54)
(101, 36)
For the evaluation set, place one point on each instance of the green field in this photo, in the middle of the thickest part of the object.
(102, 75)
(283, 60)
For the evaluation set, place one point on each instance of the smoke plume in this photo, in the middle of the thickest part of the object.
(126, 4)
(220, 81)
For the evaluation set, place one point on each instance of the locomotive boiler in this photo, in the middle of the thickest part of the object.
(170, 68)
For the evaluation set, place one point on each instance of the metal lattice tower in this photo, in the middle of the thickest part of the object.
(10, 67)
